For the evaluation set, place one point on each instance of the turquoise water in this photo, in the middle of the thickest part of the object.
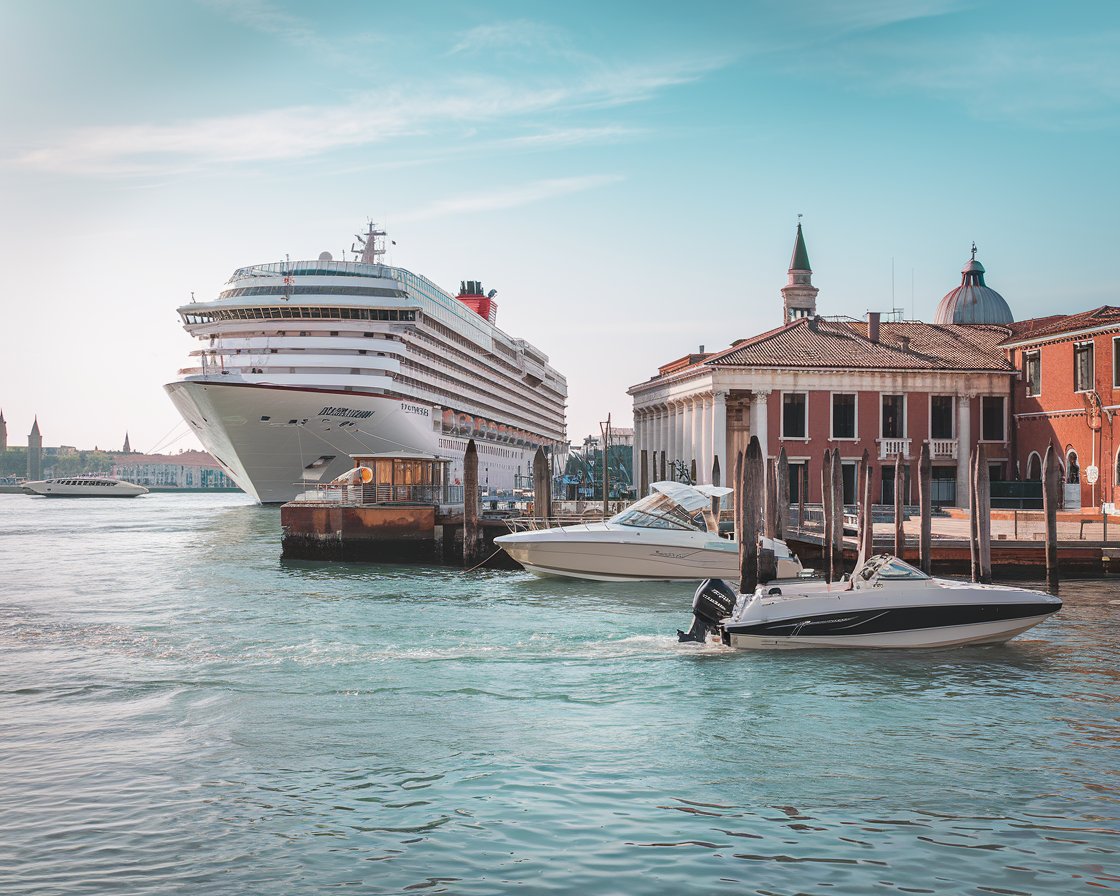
(182, 712)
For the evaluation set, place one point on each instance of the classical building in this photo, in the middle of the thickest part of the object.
(1069, 393)
(814, 384)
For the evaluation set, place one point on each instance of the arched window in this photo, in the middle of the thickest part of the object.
(1073, 471)
(1034, 467)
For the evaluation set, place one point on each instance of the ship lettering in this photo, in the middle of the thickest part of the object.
(345, 412)
(415, 409)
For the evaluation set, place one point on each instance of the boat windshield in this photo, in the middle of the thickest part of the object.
(887, 566)
(658, 511)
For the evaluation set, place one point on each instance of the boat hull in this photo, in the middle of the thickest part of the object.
(267, 437)
(602, 552)
(980, 631)
(52, 489)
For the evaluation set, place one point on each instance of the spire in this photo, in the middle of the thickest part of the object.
(35, 426)
(799, 296)
(127, 449)
(800, 259)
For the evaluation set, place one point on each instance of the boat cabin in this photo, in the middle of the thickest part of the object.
(403, 478)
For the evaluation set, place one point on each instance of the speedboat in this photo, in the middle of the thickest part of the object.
(670, 535)
(84, 487)
(887, 603)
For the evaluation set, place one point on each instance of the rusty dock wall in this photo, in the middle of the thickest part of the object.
(383, 533)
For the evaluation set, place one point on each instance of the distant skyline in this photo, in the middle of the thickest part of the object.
(628, 176)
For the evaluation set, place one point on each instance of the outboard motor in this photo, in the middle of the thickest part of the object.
(714, 600)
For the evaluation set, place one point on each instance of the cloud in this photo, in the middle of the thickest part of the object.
(526, 194)
(521, 35)
(1047, 82)
(300, 132)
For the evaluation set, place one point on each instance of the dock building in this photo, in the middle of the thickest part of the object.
(814, 383)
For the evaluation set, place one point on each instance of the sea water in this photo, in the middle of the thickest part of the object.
(183, 712)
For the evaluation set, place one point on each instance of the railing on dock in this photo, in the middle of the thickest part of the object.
(371, 493)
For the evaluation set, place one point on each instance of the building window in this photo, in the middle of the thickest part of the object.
(941, 417)
(894, 417)
(1032, 372)
(848, 471)
(795, 411)
(844, 415)
(1082, 366)
(991, 418)
(796, 481)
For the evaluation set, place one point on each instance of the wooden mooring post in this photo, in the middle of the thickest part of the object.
(983, 515)
(472, 532)
(1050, 485)
(771, 524)
(826, 509)
(925, 510)
(715, 481)
(861, 487)
(752, 487)
(542, 487)
(899, 532)
(781, 526)
(802, 488)
(973, 534)
(837, 515)
(869, 524)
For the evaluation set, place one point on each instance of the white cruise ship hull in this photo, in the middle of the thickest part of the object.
(277, 441)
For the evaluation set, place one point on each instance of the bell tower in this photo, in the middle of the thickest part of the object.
(799, 296)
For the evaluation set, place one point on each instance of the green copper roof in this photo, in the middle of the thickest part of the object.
(800, 261)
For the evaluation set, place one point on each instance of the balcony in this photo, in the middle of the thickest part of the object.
(943, 449)
(888, 448)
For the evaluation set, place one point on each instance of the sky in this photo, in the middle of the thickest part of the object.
(628, 176)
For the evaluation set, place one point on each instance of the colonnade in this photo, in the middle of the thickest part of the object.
(692, 427)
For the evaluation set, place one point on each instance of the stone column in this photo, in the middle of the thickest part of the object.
(664, 447)
(719, 437)
(964, 445)
(704, 462)
(695, 409)
(760, 419)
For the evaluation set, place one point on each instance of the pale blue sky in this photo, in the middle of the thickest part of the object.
(626, 175)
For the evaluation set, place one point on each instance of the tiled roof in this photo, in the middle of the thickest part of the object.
(814, 342)
(1039, 328)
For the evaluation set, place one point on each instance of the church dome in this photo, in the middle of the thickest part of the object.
(973, 302)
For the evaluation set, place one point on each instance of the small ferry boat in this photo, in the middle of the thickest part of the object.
(84, 487)
(887, 603)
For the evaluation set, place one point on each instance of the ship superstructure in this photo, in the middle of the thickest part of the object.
(302, 363)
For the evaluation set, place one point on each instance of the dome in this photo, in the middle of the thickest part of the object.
(973, 302)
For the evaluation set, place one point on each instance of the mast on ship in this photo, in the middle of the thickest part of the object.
(372, 244)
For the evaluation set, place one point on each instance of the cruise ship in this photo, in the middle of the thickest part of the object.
(301, 364)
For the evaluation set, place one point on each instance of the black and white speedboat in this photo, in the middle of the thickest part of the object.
(887, 603)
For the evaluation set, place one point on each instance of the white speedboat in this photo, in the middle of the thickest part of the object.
(670, 535)
(84, 487)
(887, 603)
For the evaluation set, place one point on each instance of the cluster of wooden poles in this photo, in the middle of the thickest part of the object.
(762, 508)
(762, 505)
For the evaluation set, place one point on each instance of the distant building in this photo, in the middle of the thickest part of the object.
(189, 470)
(35, 452)
(3, 432)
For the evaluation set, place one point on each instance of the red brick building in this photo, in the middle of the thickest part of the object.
(814, 384)
(1069, 392)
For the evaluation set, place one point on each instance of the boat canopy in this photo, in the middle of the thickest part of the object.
(691, 497)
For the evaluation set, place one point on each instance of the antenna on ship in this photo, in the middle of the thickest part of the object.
(372, 244)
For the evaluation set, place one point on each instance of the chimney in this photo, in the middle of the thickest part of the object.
(904, 343)
(873, 326)
(701, 349)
